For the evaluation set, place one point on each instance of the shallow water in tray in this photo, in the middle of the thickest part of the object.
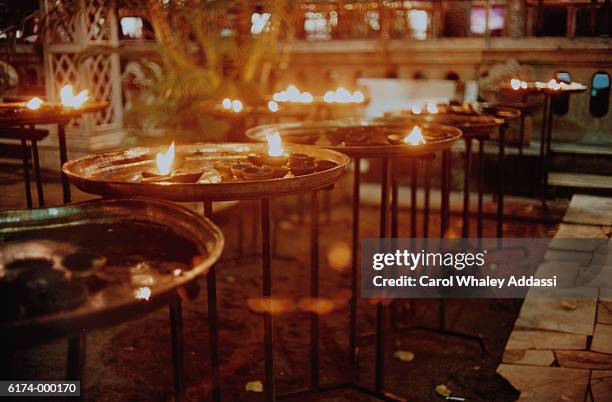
(88, 266)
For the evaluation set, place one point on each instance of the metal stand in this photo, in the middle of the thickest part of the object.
(75, 362)
(178, 349)
(211, 282)
(61, 136)
(270, 388)
(544, 146)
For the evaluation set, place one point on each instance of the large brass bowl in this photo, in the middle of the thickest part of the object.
(117, 173)
(437, 137)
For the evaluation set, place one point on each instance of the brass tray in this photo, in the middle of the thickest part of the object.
(437, 137)
(16, 114)
(168, 247)
(117, 173)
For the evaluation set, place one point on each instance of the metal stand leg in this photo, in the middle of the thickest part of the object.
(314, 291)
(75, 361)
(26, 172)
(521, 134)
(445, 193)
(178, 349)
(413, 198)
(39, 184)
(466, 187)
(213, 320)
(500, 178)
(481, 168)
(543, 154)
(427, 185)
(353, 351)
(61, 136)
(267, 293)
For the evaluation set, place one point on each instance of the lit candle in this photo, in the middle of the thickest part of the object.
(34, 103)
(416, 109)
(164, 160)
(432, 108)
(273, 106)
(554, 85)
(236, 106)
(227, 103)
(70, 100)
(515, 84)
(415, 137)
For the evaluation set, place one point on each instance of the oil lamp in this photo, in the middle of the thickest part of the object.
(166, 173)
(416, 109)
(415, 137)
(515, 84)
(273, 106)
(432, 108)
(34, 103)
(292, 94)
(70, 100)
(342, 95)
(276, 154)
(554, 85)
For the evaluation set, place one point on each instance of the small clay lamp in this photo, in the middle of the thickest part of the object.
(297, 159)
(325, 164)
(276, 155)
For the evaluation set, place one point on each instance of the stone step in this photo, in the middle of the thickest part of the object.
(580, 180)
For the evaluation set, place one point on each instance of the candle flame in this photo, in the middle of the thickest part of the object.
(415, 137)
(515, 84)
(416, 109)
(273, 106)
(68, 98)
(143, 293)
(553, 84)
(236, 106)
(275, 145)
(227, 103)
(292, 94)
(164, 160)
(34, 103)
(432, 108)
(342, 95)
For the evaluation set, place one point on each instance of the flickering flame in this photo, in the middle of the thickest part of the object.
(227, 103)
(143, 293)
(415, 137)
(273, 106)
(292, 94)
(236, 106)
(34, 103)
(342, 95)
(553, 84)
(416, 109)
(164, 161)
(432, 108)
(275, 145)
(523, 85)
(515, 84)
(68, 98)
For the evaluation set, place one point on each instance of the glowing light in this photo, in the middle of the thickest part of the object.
(416, 109)
(339, 256)
(554, 85)
(515, 84)
(34, 103)
(68, 98)
(275, 145)
(342, 95)
(432, 108)
(292, 94)
(523, 85)
(227, 103)
(236, 106)
(143, 293)
(164, 161)
(273, 106)
(415, 137)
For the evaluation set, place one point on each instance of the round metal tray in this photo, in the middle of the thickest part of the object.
(41, 233)
(532, 89)
(437, 137)
(16, 114)
(117, 173)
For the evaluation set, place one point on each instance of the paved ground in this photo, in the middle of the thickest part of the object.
(561, 348)
(132, 361)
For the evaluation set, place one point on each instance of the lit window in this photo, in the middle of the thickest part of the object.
(418, 21)
(560, 103)
(600, 94)
(315, 26)
(259, 22)
(478, 20)
(131, 27)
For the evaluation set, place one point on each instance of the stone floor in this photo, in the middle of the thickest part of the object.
(132, 361)
(561, 348)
